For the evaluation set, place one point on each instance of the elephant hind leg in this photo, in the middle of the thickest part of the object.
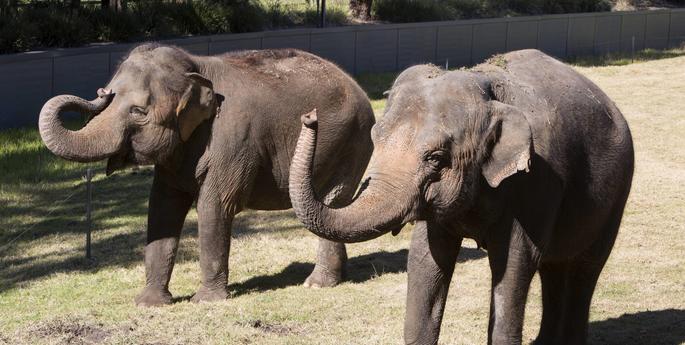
(582, 279)
(554, 281)
(331, 257)
(567, 288)
(583, 274)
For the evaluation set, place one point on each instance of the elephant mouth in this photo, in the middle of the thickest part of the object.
(395, 230)
(119, 161)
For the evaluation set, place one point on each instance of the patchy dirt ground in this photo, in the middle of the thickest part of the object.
(50, 294)
(69, 331)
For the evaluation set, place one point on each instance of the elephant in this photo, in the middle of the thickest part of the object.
(220, 131)
(522, 154)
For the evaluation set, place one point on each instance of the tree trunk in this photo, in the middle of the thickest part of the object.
(361, 9)
(322, 23)
(113, 5)
(7, 6)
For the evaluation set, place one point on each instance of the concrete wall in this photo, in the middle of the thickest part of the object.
(27, 80)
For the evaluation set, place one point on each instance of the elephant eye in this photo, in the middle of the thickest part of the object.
(438, 159)
(139, 111)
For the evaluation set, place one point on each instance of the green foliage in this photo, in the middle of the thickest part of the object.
(547, 6)
(53, 24)
(424, 10)
(428, 10)
(38, 25)
(289, 13)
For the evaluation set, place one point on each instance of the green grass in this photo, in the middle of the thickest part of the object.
(50, 294)
(623, 58)
(375, 84)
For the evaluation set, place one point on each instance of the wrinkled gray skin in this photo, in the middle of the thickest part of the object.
(222, 131)
(522, 154)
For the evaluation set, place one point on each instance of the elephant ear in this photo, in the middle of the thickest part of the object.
(509, 139)
(198, 103)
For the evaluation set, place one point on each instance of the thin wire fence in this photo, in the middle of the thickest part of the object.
(84, 187)
(55, 206)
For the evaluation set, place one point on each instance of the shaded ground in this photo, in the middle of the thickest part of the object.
(666, 327)
(49, 294)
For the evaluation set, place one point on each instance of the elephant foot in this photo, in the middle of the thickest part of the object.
(205, 294)
(323, 277)
(153, 297)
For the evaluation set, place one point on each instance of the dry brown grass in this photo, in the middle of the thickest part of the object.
(49, 295)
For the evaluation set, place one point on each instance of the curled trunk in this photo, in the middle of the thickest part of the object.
(99, 139)
(372, 214)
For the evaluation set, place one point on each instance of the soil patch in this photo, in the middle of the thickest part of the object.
(272, 328)
(68, 331)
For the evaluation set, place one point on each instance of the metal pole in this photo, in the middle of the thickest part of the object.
(632, 50)
(322, 24)
(89, 195)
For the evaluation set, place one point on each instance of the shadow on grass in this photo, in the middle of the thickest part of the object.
(46, 212)
(359, 269)
(376, 84)
(31, 213)
(122, 249)
(250, 222)
(662, 327)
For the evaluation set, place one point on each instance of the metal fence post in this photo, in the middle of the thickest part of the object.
(89, 194)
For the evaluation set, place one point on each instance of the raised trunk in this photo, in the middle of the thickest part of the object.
(372, 214)
(99, 139)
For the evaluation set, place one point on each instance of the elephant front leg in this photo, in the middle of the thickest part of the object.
(432, 256)
(513, 265)
(214, 223)
(167, 211)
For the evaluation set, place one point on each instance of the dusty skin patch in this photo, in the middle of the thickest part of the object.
(498, 60)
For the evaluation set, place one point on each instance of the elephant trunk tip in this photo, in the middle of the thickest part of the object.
(310, 119)
(105, 93)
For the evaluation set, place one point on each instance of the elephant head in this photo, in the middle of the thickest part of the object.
(152, 104)
(443, 138)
